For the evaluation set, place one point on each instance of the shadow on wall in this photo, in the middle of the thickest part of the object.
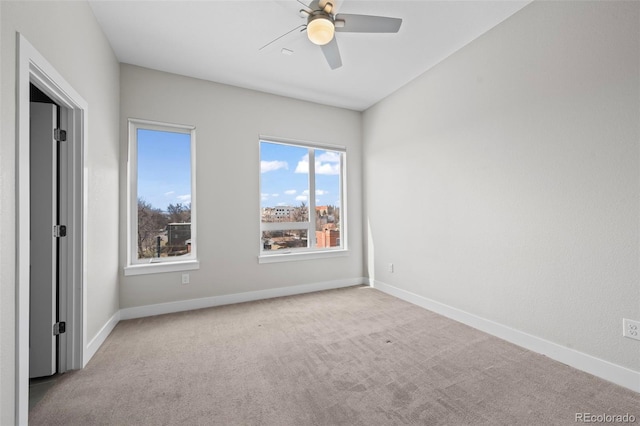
(371, 258)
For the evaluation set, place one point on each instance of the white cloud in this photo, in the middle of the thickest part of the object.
(301, 198)
(318, 192)
(186, 198)
(167, 194)
(327, 163)
(327, 168)
(270, 166)
(303, 165)
(290, 191)
(329, 157)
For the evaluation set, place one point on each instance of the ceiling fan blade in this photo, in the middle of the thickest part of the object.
(307, 7)
(285, 34)
(332, 54)
(349, 23)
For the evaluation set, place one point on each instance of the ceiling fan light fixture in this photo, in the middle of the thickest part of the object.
(320, 29)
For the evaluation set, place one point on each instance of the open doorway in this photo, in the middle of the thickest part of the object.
(65, 257)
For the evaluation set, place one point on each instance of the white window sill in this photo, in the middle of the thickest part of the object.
(160, 267)
(306, 255)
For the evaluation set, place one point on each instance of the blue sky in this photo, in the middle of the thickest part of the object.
(164, 168)
(284, 176)
(164, 164)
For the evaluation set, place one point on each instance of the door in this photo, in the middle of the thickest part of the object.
(43, 275)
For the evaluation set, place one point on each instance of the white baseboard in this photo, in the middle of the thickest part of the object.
(207, 302)
(606, 370)
(99, 338)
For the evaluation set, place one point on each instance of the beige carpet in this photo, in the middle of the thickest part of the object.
(352, 356)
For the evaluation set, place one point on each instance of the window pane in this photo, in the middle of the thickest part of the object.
(328, 196)
(301, 203)
(164, 193)
(280, 240)
(284, 183)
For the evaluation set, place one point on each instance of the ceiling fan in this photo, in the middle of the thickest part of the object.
(323, 22)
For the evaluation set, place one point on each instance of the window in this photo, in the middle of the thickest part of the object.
(301, 199)
(161, 213)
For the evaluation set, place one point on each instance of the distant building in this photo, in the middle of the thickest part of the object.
(328, 237)
(278, 214)
(283, 212)
(322, 210)
(177, 236)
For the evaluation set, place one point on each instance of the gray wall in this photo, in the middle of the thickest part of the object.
(504, 182)
(228, 122)
(68, 36)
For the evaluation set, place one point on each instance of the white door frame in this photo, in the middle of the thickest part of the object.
(34, 69)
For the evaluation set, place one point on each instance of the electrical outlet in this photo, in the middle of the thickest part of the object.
(631, 329)
(391, 267)
(185, 278)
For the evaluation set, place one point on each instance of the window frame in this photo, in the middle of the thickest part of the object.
(310, 252)
(134, 265)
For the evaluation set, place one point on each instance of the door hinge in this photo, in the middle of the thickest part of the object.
(59, 328)
(59, 231)
(60, 135)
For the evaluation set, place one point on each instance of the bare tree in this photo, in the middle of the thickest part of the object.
(179, 213)
(151, 222)
(335, 212)
(301, 213)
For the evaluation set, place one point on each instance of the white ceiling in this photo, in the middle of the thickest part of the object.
(219, 41)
